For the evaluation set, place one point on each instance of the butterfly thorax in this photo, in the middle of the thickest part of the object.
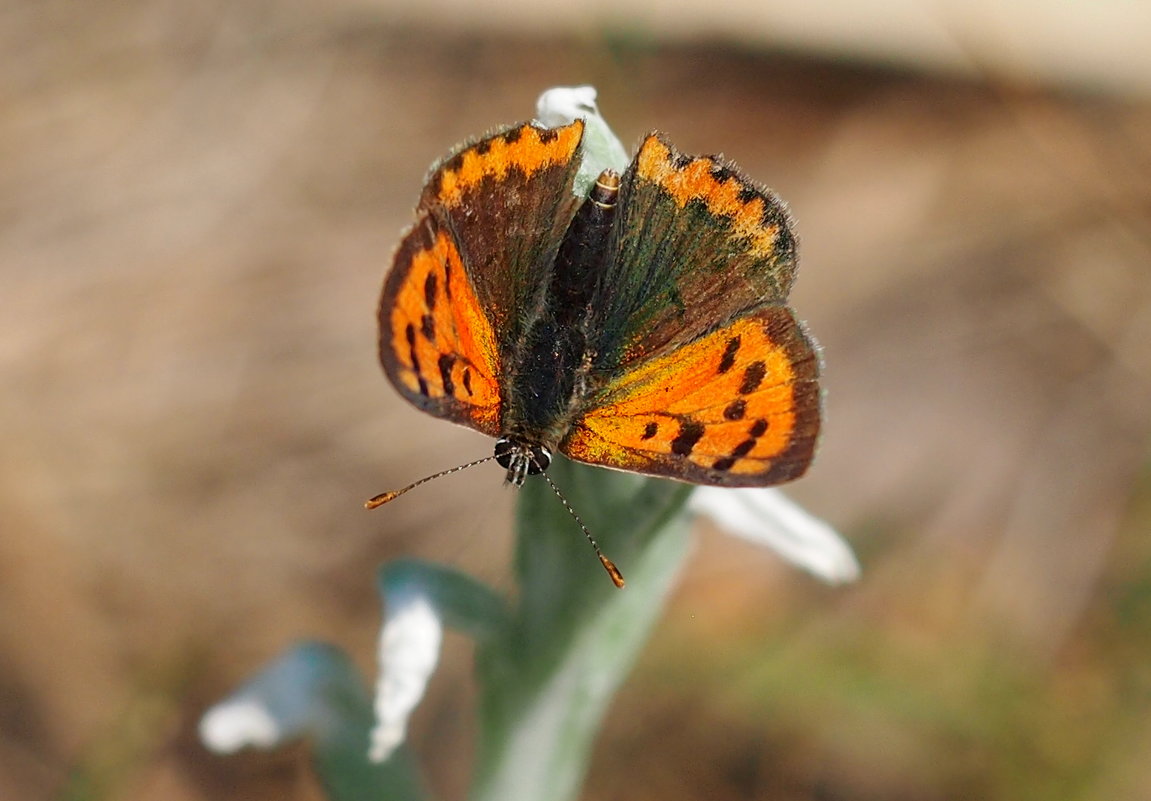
(551, 366)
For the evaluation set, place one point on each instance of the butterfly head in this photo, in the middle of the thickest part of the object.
(521, 459)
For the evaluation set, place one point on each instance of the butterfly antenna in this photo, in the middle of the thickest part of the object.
(608, 565)
(391, 495)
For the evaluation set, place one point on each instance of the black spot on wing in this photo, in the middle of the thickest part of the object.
(752, 377)
(748, 193)
(689, 434)
(735, 410)
(744, 448)
(728, 359)
(446, 362)
(722, 173)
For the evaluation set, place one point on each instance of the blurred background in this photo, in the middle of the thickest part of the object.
(197, 205)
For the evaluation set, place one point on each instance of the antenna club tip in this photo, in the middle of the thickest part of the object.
(380, 499)
(613, 571)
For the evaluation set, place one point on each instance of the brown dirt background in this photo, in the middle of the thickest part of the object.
(197, 204)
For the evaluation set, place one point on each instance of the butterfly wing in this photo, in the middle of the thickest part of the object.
(699, 371)
(488, 225)
(506, 201)
(694, 244)
(737, 407)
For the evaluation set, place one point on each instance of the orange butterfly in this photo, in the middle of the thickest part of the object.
(642, 327)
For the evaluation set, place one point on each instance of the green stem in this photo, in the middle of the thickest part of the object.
(547, 681)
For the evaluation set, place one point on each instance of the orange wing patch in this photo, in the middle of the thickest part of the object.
(696, 179)
(441, 350)
(737, 407)
(527, 149)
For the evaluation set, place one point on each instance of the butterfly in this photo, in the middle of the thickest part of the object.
(643, 326)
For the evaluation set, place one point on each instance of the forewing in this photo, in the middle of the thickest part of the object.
(507, 200)
(488, 224)
(695, 244)
(436, 344)
(737, 407)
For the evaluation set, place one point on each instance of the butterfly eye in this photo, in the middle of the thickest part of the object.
(541, 458)
(504, 450)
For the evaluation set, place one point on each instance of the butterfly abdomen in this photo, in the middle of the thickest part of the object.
(580, 260)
